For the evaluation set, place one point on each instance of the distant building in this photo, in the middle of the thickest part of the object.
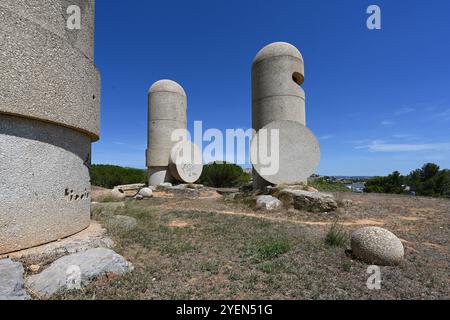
(356, 187)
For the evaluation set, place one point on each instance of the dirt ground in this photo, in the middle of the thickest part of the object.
(213, 248)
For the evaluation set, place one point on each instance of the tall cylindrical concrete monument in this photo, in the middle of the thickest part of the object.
(171, 157)
(278, 104)
(166, 113)
(49, 115)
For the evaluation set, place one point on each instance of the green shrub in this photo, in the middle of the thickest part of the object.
(223, 175)
(336, 236)
(108, 176)
(270, 248)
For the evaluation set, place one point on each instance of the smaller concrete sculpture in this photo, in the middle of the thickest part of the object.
(167, 137)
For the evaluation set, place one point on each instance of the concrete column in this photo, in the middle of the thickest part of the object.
(166, 113)
(49, 115)
(277, 73)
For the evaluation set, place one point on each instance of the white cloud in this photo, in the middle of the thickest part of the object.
(444, 115)
(404, 110)
(380, 146)
(387, 123)
(326, 137)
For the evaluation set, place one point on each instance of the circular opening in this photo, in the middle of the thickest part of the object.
(93, 97)
(298, 78)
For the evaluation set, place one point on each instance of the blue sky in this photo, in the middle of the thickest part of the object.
(377, 100)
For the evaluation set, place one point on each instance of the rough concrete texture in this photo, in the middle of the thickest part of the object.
(277, 72)
(93, 237)
(186, 164)
(44, 76)
(299, 152)
(377, 246)
(11, 281)
(279, 108)
(93, 263)
(45, 187)
(52, 16)
(166, 113)
(49, 114)
(267, 202)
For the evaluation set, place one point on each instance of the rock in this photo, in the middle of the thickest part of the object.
(11, 281)
(347, 203)
(34, 268)
(123, 222)
(180, 190)
(118, 194)
(267, 203)
(194, 186)
(146, 192)
(311, 189)
(93, 237)
(165, 185)
(139, 197)
(81, 268)
(308, 201)
(130, 190)
(376, 245)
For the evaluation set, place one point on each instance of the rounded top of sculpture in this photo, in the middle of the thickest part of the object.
(277, 49)
(167, 86)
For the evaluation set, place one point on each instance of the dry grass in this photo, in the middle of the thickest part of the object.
(215, 249)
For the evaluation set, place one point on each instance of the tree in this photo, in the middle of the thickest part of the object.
(223, 175)
(429, 171)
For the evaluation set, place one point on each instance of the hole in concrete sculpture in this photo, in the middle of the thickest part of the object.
(298, 78)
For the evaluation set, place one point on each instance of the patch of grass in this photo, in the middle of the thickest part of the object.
(336, 236)
(273, 266)
(268, 248)
(211, 266)
(108, 198)
(347, 266)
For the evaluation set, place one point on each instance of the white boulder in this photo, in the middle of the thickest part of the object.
(377, 246)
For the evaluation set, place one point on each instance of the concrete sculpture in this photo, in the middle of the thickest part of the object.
(278, 103)
(49, 115)
(167, 115)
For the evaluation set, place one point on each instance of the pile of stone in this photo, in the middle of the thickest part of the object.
(77, 260)
(299, 197)
(137, 191)
(181, 190)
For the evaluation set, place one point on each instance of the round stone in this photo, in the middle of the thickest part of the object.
(118, 194)
(377, 246)
(186, 164)
(285, 152)
(146, 192)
